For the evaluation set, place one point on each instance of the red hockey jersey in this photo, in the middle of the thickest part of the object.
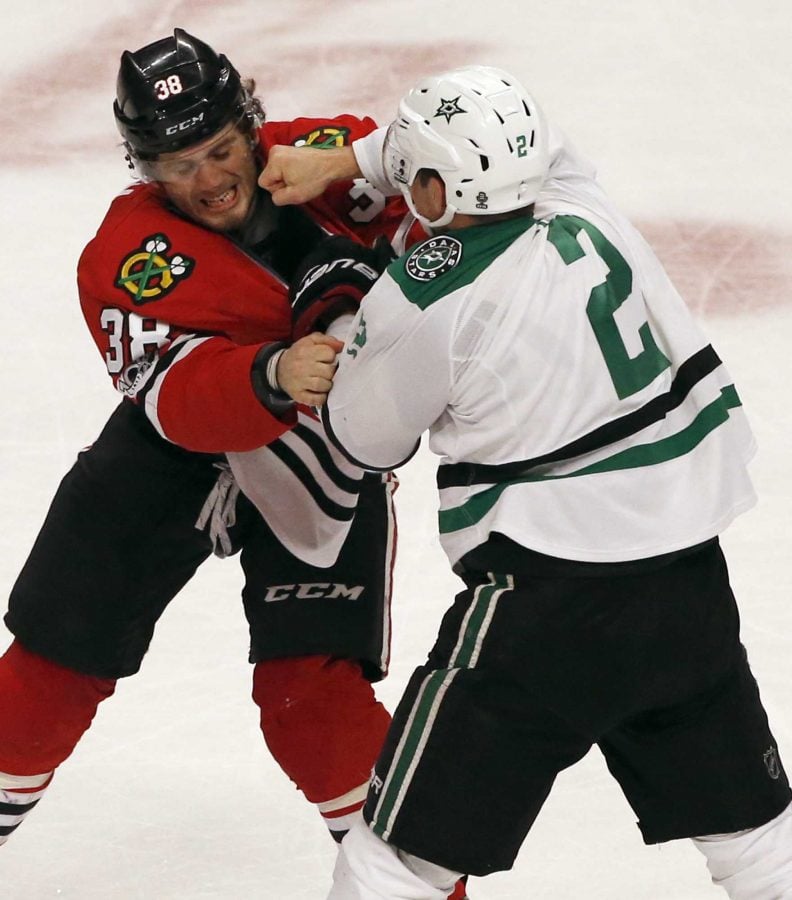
(178, 312)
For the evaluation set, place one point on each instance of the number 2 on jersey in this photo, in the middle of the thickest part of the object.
(629, 374)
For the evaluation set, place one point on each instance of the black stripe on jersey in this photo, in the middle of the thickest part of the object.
(163, 363)
(687, 377)
(322, 454)
(301, 471)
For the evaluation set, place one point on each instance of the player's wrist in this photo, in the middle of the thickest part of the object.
(342, 164)
(264, 379)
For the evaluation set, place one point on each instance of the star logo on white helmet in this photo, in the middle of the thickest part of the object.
(449, 108)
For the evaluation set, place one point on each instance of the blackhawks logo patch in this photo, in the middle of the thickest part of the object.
(149, 272)
(433, 257)
(324, 137)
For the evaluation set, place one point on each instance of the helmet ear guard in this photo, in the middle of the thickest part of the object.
(481, 131)
(411, 146)
(176, 92)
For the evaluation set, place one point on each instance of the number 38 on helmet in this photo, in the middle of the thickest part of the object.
(176, 92)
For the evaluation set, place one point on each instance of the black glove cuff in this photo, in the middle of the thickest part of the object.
(278, 402)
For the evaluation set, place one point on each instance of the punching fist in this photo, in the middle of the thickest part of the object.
(298, 174)
(332, 280)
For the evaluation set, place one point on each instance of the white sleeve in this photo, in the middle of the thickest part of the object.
(570, 180)
(368, 153)
(393, 379)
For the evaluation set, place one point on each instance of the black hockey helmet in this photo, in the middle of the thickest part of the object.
(173, 93)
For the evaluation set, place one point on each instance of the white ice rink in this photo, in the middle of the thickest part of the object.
(686, 105)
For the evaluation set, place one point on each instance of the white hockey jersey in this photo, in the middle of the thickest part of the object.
(574, 403)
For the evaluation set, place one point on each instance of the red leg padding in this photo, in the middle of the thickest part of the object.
(321, 722)
(44, 710)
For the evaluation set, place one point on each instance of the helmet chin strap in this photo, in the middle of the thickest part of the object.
(448, 215)
(430, 225)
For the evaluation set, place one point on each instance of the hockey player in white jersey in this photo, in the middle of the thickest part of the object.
(592, 447)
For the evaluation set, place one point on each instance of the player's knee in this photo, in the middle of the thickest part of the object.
(281, 684)
(320, 702)
(44, 710)
(753, 864)
(308, 688)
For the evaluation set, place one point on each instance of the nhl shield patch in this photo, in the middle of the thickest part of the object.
(433, 257)
(772, 763)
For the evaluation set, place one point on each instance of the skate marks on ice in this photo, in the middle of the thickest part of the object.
(724, 268)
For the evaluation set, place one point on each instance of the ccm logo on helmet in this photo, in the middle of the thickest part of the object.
(186, 125)
(312, 591)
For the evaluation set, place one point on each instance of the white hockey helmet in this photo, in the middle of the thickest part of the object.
(481, 131)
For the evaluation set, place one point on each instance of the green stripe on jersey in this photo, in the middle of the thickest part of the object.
(449, 261)
(671, 447)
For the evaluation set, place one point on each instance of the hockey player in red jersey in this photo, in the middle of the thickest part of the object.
(185, 290)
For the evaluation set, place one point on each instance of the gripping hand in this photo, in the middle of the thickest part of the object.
(303, 372)
(332, 280)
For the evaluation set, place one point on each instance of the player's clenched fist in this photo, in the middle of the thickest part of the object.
(298, 174)
(305, 370)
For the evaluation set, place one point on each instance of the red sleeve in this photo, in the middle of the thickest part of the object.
(204, 401)
(178, 313)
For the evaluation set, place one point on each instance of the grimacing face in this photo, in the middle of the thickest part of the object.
(212, 183)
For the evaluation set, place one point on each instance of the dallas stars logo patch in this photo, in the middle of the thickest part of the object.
(449, 108)
(324, 137)
(149, 274)
(433, 257)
